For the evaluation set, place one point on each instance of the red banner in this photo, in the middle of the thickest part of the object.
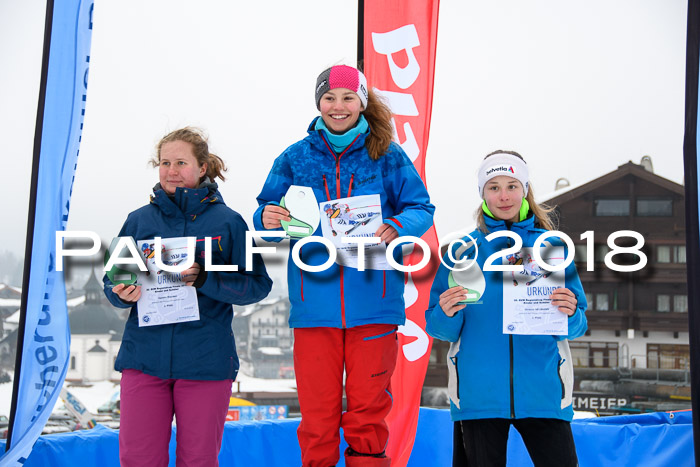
(400, 39)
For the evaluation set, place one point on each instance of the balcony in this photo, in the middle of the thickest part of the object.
(619, 320)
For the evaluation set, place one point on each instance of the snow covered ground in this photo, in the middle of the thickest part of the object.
(101, 392)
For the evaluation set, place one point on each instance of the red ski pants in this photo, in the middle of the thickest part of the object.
(368, 356)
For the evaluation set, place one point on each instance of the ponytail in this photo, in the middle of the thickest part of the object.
(378, 116)
(215, 168)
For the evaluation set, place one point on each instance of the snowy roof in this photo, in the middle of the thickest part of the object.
(264, 304)
(16, 302)
(561, 191)
(629, 168)
(97, 348)
(250, 384)
(247, 311)
(13, 318)
(75, 301)
(8, 291)
(94, 318)
(270, 301)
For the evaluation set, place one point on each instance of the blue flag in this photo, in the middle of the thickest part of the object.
(46, 343)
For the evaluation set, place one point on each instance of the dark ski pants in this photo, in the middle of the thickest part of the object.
(483, 443)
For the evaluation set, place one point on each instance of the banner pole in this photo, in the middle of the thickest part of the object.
(38, 131)
(690, 157)
(360, 35)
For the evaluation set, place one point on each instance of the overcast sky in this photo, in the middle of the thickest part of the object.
(578, 88)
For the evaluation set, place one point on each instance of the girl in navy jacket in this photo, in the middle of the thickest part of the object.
(499, 378)
(184, 369)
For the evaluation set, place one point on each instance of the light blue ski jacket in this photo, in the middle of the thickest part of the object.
(497, 375)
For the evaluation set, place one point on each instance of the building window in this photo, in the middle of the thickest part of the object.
(668, 356)
(579, 354)
(675, 303)
(594, 354)
(600, 252)
(670, 254)
(72, 362)
(612, 207)
(433, 355)
(680, 303)
(655, 207)
(598, 301)
(601, 302)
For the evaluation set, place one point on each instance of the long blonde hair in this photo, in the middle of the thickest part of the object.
(544, 214)
(378, 116)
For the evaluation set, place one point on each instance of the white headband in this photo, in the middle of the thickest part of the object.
(503, 164)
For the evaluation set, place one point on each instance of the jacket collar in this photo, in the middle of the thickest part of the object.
(495, 224)
(188, 201)
(317, 139)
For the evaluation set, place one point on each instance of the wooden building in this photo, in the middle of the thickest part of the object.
(635, 319)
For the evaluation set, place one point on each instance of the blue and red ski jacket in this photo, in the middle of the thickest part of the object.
(340, 296)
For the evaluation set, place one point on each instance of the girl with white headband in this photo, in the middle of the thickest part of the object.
(501, 376)
(345, 319)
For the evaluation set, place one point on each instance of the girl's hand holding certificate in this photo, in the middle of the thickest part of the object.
(565, 300)
(127, 293)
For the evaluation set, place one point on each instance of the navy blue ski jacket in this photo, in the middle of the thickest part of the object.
(203, 349)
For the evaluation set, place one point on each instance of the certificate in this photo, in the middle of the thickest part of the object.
(357, 216)
(527, 308)
(165, 298)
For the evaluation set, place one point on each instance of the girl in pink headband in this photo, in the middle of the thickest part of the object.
(345, 319)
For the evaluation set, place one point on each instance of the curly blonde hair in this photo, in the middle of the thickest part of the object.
(200, 147)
